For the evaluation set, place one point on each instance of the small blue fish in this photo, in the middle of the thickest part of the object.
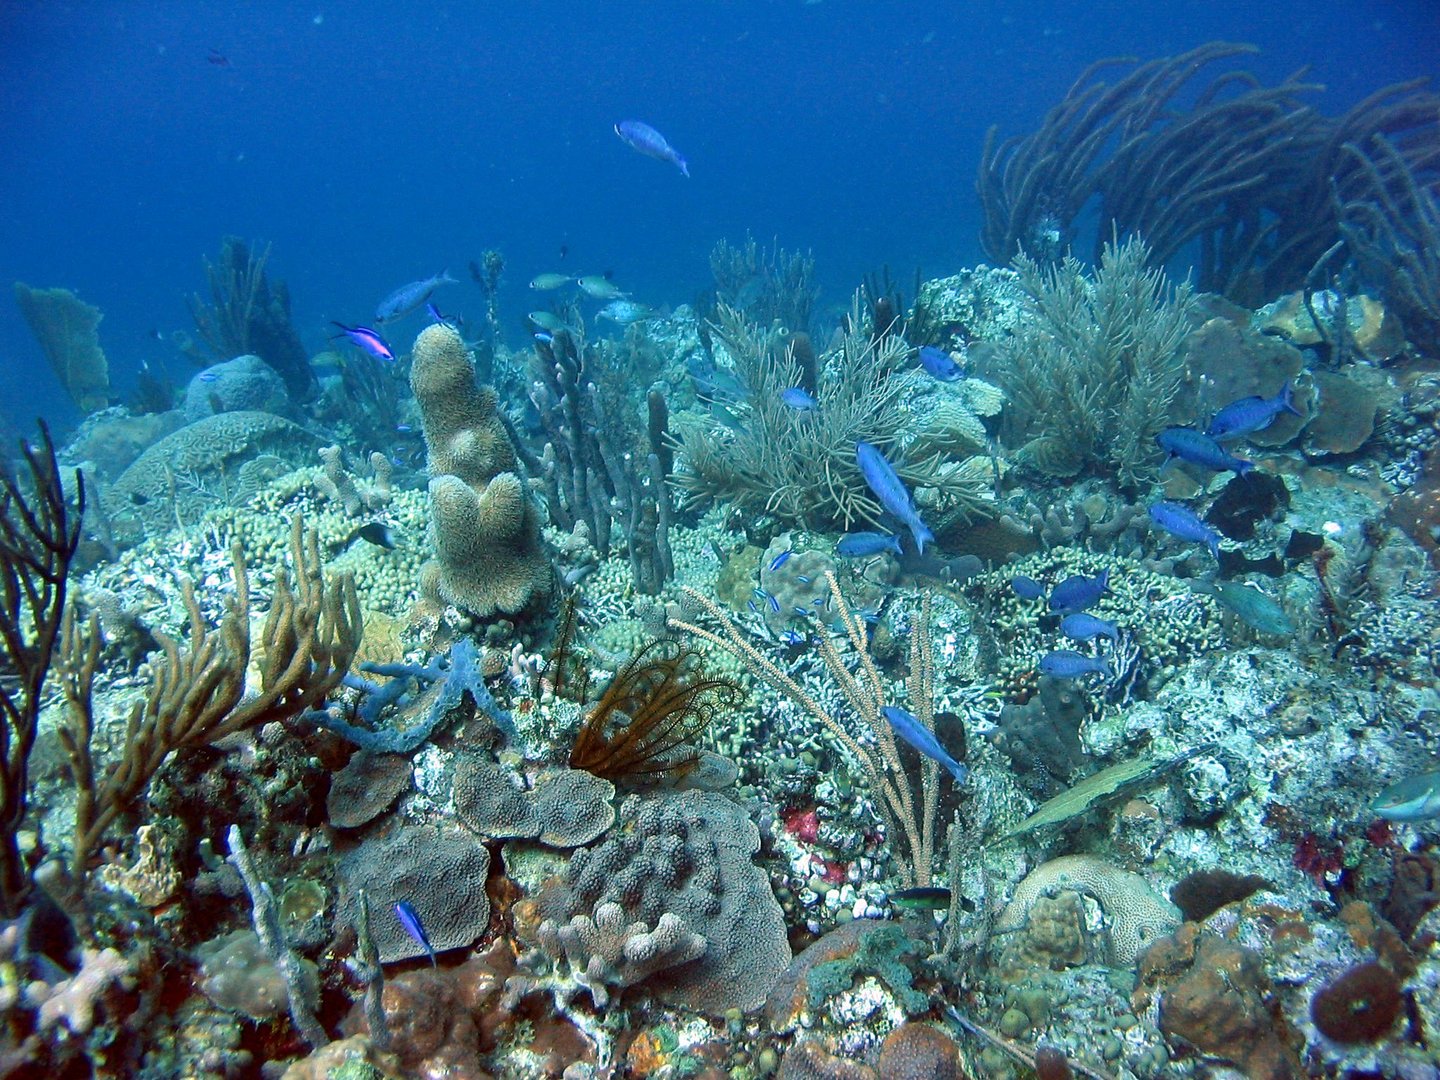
(1027, 588)
(801, 578)
(882, 479)
(1251, 414)
(774, 603)
(799, 399)
(939, 364)
(435, 316)
(909, 728)
(860, 545)
(790, 637)
(1069, 664)
(404, 429)
(1179, 521)
(1078, 592)
(802, 612)
(1081, 626)
(542, 337)
(760, 594)
(781, 559)
(1196, 447)
(410, 920)
(366, 339)
(208, 376)
(645, 139)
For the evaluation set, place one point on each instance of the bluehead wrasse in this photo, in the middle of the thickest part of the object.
(751, 605)
(774, 604)
(760, 594)
(780, 559)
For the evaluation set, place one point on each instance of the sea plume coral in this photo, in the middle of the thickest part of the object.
(1094, 368)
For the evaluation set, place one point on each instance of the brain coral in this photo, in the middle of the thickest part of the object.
(485, 526)
(686, 855)
(439, 871)
(1134, 914)
(190, 470)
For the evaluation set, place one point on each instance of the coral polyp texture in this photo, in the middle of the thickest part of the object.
(489, 556)
(1029, 672)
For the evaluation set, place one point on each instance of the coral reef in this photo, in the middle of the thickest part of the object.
(486, 528)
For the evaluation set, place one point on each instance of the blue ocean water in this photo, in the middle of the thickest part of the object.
(373, 144)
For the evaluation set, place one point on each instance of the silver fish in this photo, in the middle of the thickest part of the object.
(625, 312)
(601, 288)
(410, 297)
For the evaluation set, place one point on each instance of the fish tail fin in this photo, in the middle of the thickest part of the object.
(1244, 468)
(895, 545)
(1287, 398)
(959, 772)
(1214, 545)
(922, 535)
(684, 167)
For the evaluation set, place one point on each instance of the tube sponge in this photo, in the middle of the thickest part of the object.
(484, 525)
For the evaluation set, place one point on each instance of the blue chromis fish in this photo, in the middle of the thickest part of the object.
(861, 545)
(410, 920)
(625, 312)
(1253, 607)
(1416, 798)
(1180, 521)
(1197, 448)
(880, 475)
(1069, 664)
(366, 339)
(1027, 588)
(408, 298)
(1082, 626)
(1078, 592)
(939, 363)
(799, 399)
(644, 138)
(909, 728)
(1251, 414)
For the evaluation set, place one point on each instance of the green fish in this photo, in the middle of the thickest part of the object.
(927, 898)
(1416, 798)
(546, 282)
(601, 288)
(548, 321)
(1253, 607)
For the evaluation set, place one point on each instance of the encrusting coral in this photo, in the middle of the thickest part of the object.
(486, 528)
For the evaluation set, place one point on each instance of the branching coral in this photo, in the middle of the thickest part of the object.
(198, 694)
(775, 286)
(799, 464)
(38, 539)
(1094, 369)
(866, 693)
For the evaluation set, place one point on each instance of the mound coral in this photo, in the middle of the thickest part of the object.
(1359, 1006)
(485, 526)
